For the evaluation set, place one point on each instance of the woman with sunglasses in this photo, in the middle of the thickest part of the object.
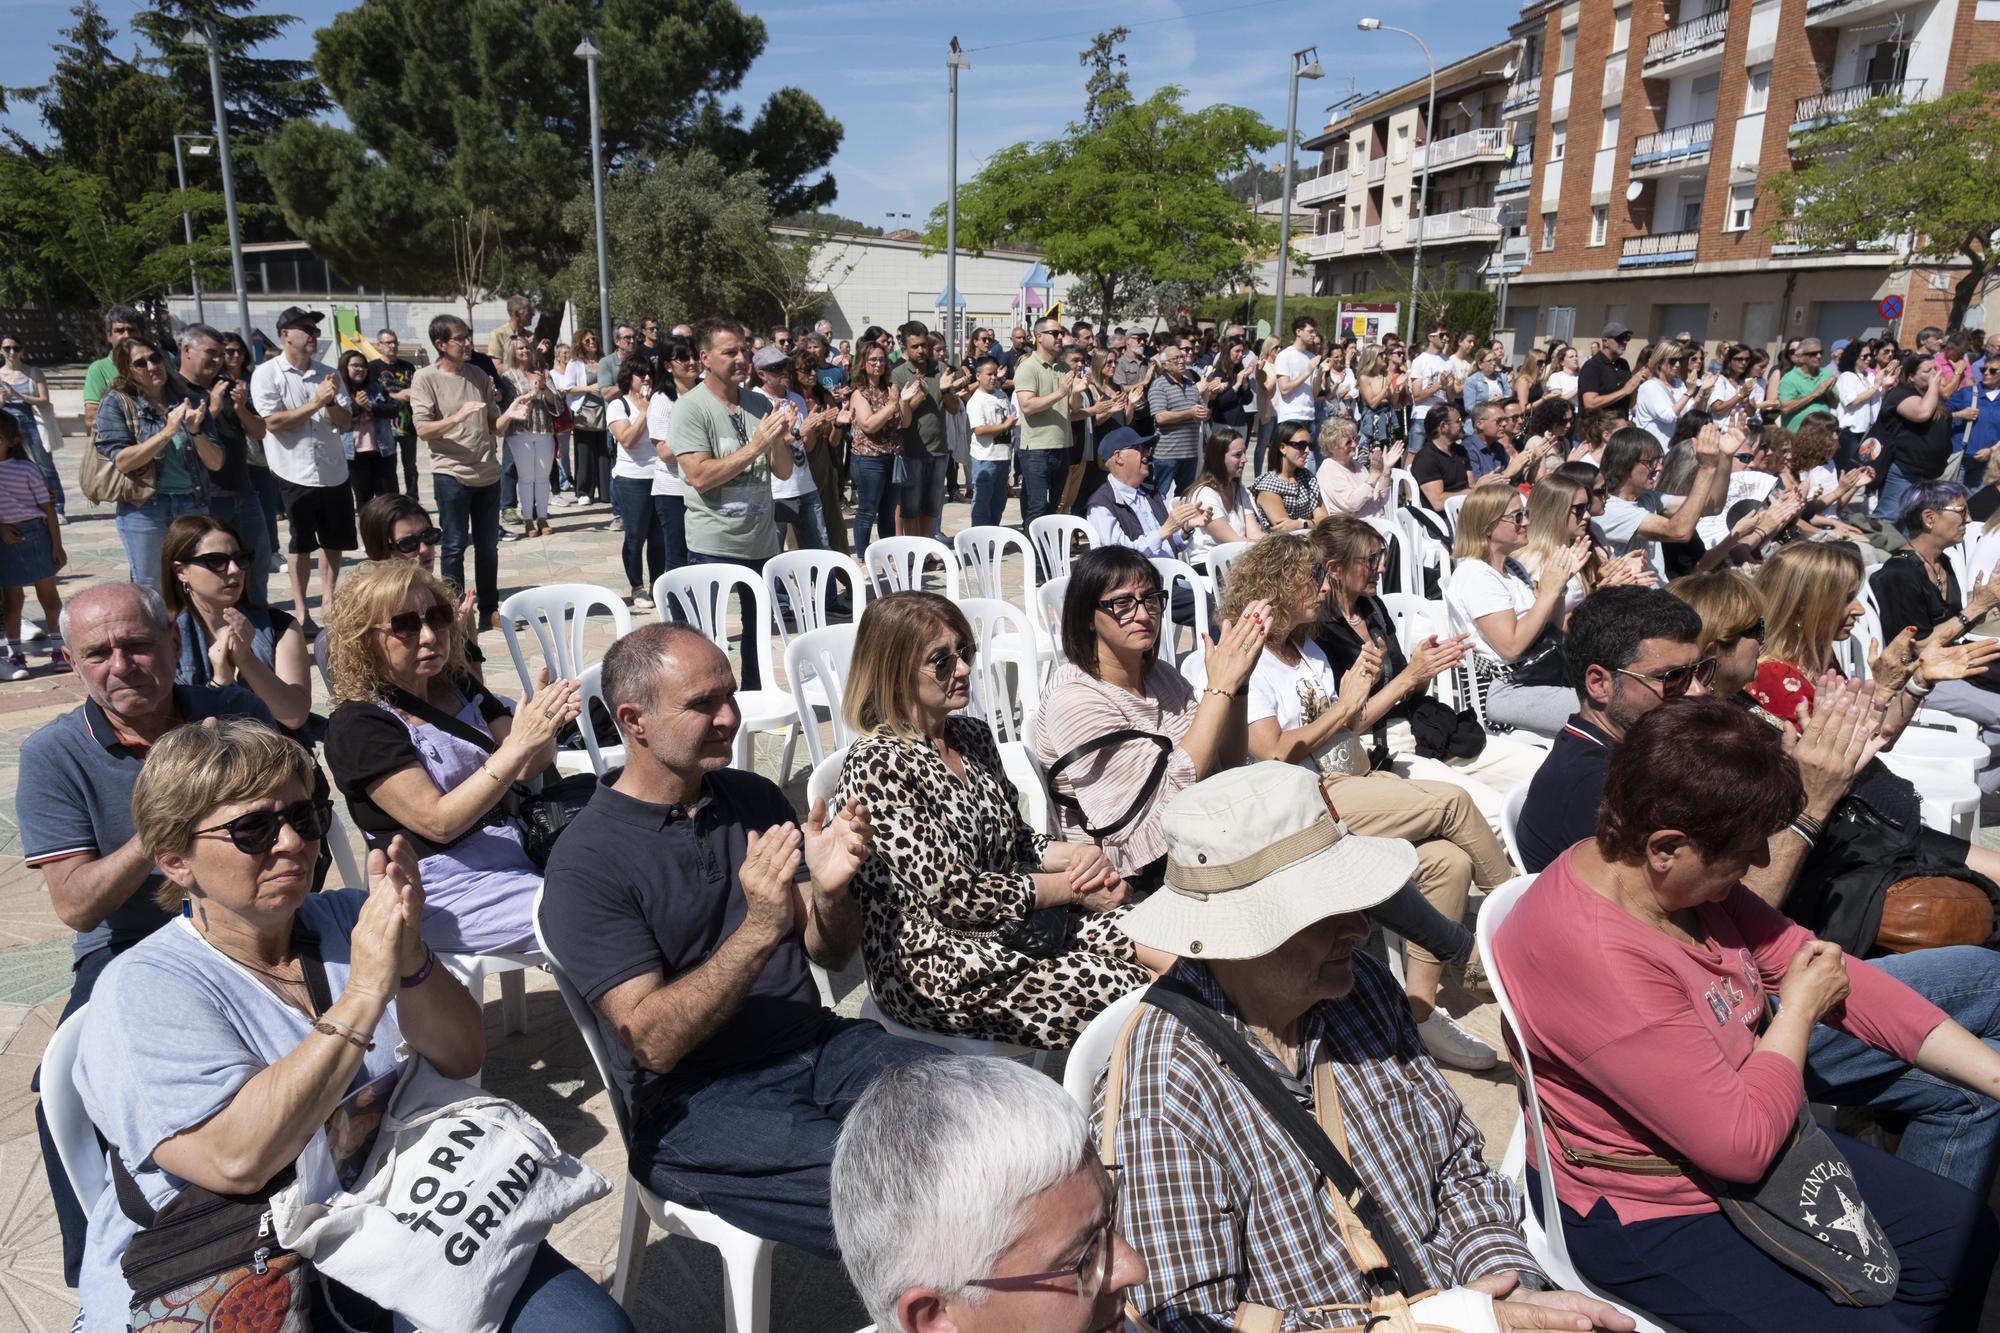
(257, 1054)
(634, 468)
(1559, 511)
(204, 569)
(419, 747)
(1666, 393)
(1514, 618)
(1117, 707)
(143, 437)
(24, 396)
(1735, 388)
(1288, 495)
(973, 924)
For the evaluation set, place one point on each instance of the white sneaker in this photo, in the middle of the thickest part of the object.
(32, 632)
(641, 602)
(1450, 1044)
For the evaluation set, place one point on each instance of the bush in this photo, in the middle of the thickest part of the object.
(1457, 310)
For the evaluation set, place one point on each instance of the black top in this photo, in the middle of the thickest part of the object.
(226, 430)
(387, 377)
(365, 742)
(1561, 809)
(1600, 374)
(1231, 406)
(634, 888)
(1906, 598)
(1919, 449)
(1454, 469)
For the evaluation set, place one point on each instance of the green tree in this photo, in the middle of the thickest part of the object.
(1918, 177)
(1108, 86)
(1125, 208)
(105, 115)
(462, 105)
(96, 247)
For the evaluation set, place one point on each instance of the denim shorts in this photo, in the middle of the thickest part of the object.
(920, 483)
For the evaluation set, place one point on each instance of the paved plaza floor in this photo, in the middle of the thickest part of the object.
(545, 1068)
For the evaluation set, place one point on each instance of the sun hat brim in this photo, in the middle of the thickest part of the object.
(1350, 875)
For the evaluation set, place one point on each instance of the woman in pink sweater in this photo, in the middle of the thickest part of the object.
(1639, 969)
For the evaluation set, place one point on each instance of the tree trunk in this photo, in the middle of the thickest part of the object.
(1968, 286)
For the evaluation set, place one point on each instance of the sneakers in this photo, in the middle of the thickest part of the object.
(59, 662)
(1450, 1044)
(640, 601)
(17, 666)
(509, 535)
(511, 514)
(31, 632)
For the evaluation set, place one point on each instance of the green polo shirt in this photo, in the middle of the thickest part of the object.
(1798, 383)
(1048, 428)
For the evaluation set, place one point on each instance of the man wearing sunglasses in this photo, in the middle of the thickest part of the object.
(73, 801)
(1808, 387)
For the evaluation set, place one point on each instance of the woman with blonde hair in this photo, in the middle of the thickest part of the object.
(1515, 617)
(1301, 714)
(1666, 392)
(1558, 518)
(1528, 381)
(418, 746)
(1374, 402)
(972, 923)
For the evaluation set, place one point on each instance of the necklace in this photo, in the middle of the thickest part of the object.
(292, 990)
(1934, 570)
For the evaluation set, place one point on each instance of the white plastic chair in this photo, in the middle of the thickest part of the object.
(557, 615)
(1030, 781)
(899, 564)
(1510, 823)
(590, 689)
(1173, 572)
(1452, 504)
(1545, 1239)
(1220, 557)
(702, 595)
(806, 580)
(1048, 609)
(473, 970)
(746, 1259)
(1005, 673)
(1093, 1049)
(75, 1137)
(982, 555)
(945, 1041)
(824, 779)
(816, 666)
(1054, 536)
(1403, 488)
(351, 868)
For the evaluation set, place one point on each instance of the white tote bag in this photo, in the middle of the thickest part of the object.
(443, 1221)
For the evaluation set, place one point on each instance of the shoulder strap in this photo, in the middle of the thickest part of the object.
(443, 721)
(1311, 1139)
(1146, 788)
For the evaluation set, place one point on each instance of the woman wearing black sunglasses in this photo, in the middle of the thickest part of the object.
(419, 747)
(204, 569)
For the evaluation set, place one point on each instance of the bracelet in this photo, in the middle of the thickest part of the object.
(350, 1036)
(1220, 694)
(423, 973)
(349, 1029)
(1811, 841)
(1807, 824)
(1912, 688)
(491, 774)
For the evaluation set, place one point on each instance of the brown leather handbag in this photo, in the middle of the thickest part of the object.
(1931, 911)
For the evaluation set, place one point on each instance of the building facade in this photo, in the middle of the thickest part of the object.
(1640, 133)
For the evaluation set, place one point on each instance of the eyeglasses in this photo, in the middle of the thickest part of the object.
(944, 662)
(1674, 681)
(1126, 605)
(218, 562)
(145, 362)
(457, 338)
(409, 545)
(409, 624)
(1374, 560)
(1091, 1271)
(1518, 517)
(10, 347)
(1756, 631)
(256, 833)
(1581, 509)
(1960, 510)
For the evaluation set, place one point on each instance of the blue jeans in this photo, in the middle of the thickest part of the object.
(1267, 431)
(475, 508)
(874, 496)
(1950, 1132)
(1178, 472)
(1043, 472)
(671, 510)
(804, 518)
(555, 1297)
(245, 513)
(989, 491)
(1698, 1272)
(142, 531)
(754, 1145)
(632, 501)
(1889, 500)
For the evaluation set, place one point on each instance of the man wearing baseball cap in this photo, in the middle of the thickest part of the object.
(305, 408)
(1275, 1011)
(1121, 514)
(1605, 382)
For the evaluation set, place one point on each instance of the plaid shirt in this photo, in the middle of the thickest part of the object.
(1225, 1208)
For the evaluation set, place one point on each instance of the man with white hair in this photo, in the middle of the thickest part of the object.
(967, 1196)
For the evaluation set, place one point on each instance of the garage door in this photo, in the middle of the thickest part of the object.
(1678, 319)
(1844, 319)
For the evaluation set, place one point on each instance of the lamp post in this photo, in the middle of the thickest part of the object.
(588, 50)
(198, 146)
(1305, 65)
(954, 61)
(203, 40)
(1424, 174)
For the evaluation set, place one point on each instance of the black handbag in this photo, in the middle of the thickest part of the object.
(1443, 734)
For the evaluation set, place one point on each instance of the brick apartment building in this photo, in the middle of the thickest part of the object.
(1624, 180)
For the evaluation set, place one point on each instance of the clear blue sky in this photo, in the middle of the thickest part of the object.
(878, 65)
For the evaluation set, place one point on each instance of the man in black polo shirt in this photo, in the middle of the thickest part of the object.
(1441, 468)
(1605, 382)
(685, 904)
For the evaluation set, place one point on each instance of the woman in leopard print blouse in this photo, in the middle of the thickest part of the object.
(972, 923)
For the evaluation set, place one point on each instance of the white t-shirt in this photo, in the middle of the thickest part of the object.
(1820, 481)
(1846, 386)
(1289, 365)
(1723, 392)
(666, 472)
(572, 379)
(801, 480)
(1296, 695)
(1621, 520)
(1429, 366)
(1477, 589)
(1343, 390)
(1653, 409)
(1744, 484)
(988, 409)
(638, 463)
(1239, 513)
(1562, 383)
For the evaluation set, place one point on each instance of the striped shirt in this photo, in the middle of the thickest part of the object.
(22, 491)
(1077, 707)
(1225, 1208)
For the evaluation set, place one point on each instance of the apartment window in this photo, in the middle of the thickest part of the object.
(1364, 280)
(1621, 28)
(1702, 97)
(1742, 203)
(1691, 214)
(1600, 219)
(1757, 92)
(1568, 50)
(1402, 143)
(1608, 137)
(1558, 139)
(1548, 231)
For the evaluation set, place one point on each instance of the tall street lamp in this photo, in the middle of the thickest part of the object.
(588, 50)
(198, 145)
(1424, 173)
(1305, 65)
(203, 40)
(954, 61)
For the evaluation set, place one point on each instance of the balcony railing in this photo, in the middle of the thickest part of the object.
(1320, 246)
(1673, 247)
(1841, 11)
(1792, 241)
(1371, 236)
(1378, 167)
(1831, 106)
(1323, 186)
(1466, 147)
(1524, 91)
(1685, 39)
(1463, 225)
(1517, 174)
(1680, 141)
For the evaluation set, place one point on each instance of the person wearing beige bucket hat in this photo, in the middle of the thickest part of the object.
(1274, 1016)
